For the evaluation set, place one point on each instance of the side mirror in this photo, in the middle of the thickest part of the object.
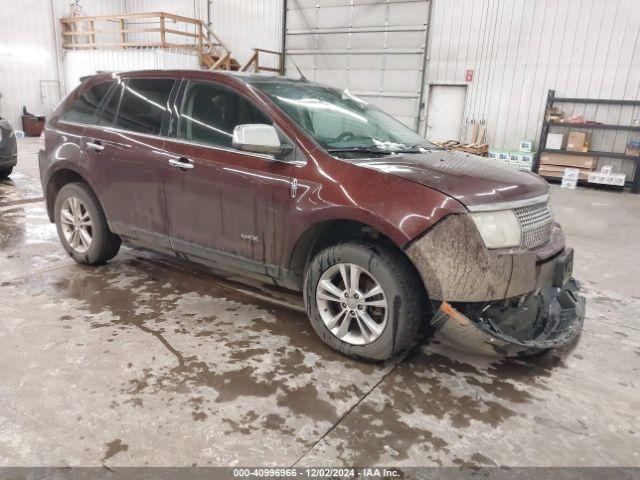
(259, 138)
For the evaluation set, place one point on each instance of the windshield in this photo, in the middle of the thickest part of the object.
(340, 122)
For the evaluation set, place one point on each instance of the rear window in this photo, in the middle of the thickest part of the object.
(83, 109)
(144, 104)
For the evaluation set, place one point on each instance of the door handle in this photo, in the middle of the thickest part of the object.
(95, 145)
(181, 163)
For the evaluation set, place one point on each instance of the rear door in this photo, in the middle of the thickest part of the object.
(225, 200)
(126, 150)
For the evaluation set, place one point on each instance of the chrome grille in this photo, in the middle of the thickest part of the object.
(536, 222)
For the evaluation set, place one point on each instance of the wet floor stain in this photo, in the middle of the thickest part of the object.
(222, 350)
(395, 422)
(113, 448)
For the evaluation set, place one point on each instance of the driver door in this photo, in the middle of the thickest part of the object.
(226, 201)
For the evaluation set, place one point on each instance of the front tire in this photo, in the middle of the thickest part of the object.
(82, 226)
(365, 300)
(5, 172)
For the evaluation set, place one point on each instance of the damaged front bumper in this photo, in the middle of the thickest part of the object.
(548, 318)
(506, 302)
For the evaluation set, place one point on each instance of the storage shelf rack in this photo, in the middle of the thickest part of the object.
(633, 184)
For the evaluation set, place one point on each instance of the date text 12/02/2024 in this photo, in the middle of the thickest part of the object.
(317, 472)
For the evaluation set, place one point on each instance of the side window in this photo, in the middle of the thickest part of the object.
(143, 105)
(109, 109)
(83, 109)
(210, 112)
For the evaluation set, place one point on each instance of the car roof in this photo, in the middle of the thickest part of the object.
(246, 77)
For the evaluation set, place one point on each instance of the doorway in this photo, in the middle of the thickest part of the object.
(445, 113)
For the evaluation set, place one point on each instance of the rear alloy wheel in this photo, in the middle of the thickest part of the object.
(365, 300)
(76, 224)
(352, 304)
(82, 226)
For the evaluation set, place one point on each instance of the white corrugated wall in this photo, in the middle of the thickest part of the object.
(519, 49)
(247, 24)
(31, 65)
(28, 65)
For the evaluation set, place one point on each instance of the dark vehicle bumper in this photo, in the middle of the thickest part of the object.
(8, 146)
(505, 302)
(8, 161)
(549, 318)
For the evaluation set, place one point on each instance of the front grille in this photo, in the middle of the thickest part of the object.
(536, 223)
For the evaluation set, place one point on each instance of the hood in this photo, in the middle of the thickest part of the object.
(470, 179)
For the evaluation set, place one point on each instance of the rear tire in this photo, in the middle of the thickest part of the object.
(370, 334)
(82, 226)
(5, 172)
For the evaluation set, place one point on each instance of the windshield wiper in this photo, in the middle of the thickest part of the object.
(359, 150)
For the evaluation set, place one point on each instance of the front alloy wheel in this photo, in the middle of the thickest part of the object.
(76, 224)
(365, 299)
(352, 304)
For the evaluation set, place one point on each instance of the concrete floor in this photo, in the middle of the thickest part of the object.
(143, 362)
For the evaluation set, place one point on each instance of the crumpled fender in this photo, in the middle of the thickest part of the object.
(456, 266)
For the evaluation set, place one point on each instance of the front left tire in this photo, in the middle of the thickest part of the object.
(365, 299)
(82, 226)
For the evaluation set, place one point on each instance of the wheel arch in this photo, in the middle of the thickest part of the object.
(330, 232)
(58, 179)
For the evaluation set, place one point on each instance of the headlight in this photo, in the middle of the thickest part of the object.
(499, 229)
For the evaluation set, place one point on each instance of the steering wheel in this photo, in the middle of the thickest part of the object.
(343, 136)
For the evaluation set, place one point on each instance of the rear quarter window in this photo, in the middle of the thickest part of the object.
(83, 109)
(144, 105)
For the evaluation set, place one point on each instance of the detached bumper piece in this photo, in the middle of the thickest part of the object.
(549, 317)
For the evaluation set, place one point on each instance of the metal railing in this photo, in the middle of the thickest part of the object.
(253, 64)
(147, 30)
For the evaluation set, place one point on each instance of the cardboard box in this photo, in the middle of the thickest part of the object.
(555, 141)
(633, 149)
(515, 157)
(577, 142)
(526, 146)
(503, 155)
(525, 167)
(570, 183)
(577, 161)
(557, 171)
(528, 158)
(616, 179)
(571, 173)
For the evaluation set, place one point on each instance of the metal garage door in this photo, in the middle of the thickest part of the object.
(375, 48)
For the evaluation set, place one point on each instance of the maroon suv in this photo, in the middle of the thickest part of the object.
(318, 191)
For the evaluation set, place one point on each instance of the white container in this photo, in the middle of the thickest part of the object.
(526, 146)
(571, 173)
(616, 179)
(555, 141)
(527, 158)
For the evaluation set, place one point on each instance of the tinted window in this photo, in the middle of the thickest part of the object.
(109, 109)
(143, 104)
(210, 112)
(83, 109)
